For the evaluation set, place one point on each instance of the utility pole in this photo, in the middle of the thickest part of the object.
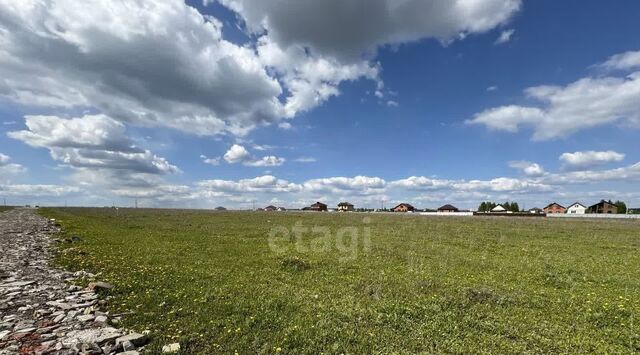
(136, 203)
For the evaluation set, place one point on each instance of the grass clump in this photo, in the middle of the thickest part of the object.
(294, 263)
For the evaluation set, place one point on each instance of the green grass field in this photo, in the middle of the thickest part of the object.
(217, 283)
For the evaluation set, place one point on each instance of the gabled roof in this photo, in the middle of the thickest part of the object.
(576, 203)
(318, 204)
(501, 208)
(271, 207)
(603, 202)
(405, 204)
(344, 204)
(448, 207)
(554, 203)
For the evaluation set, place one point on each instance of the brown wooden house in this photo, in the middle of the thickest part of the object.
(403, 207)
(318, 207)
(554, 208)
(603, 207)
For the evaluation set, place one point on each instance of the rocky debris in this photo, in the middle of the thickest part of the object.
(40, 313)
(171, 348)
(134, 338)
(97, 286)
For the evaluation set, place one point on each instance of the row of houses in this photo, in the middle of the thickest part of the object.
(602, 207)
(348, 207)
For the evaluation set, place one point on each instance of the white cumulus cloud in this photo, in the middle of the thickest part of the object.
(239, 154)
(147, 62)
(162, 63)
(505, 36)
(564, 110)
(623, 61)
(96, 141)
(349, 29)
(211, 161)
(25, 190)
(528, 168)
(8, 168)
(236, 154)
(589, 159)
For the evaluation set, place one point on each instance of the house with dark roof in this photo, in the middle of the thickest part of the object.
(448, 208)
(536, 210)
(603, 207)
(270, 208)
(554, 207)
(403, 207)
(345, 207)
(318, 207)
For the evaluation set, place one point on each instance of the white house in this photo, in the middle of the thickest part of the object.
(499, 209)
(577, 208)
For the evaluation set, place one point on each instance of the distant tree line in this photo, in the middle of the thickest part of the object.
(487, 206)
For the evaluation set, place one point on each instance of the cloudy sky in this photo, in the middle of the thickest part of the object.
(235, 102)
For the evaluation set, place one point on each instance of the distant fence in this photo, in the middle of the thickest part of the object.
(595, 215)
(505, 214)
(451, 214)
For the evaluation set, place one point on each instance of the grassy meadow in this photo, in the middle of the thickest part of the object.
(249, 282)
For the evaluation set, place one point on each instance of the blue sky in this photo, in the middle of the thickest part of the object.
(232, 102)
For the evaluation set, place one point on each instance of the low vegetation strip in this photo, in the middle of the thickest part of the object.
(353, 283)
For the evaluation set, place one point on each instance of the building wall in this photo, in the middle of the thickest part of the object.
(554, 209)
(604, 209)
(591, 215)
(576, 210)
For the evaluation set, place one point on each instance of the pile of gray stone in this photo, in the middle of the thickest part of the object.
(41, 311)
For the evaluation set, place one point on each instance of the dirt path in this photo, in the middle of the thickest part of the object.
(40, 313)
